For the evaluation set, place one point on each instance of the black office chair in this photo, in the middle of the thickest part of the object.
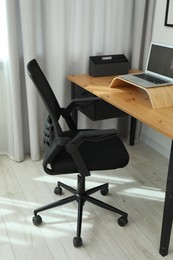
(76, 151)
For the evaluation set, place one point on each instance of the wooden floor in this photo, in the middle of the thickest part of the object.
(138, 189)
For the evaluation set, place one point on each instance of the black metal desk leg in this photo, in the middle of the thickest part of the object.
(75, 112)
(132, 130)
(168, 210)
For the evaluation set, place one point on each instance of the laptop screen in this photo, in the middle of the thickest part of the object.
(161, 60)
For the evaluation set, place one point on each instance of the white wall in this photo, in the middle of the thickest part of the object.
(161, 34)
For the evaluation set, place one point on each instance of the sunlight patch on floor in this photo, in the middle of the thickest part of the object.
(144, 193)
(15, 202)
(95, 179)
(16, 229)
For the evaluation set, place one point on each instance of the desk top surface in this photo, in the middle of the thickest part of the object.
(132, 100)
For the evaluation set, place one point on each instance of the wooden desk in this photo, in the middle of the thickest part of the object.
(136, 103)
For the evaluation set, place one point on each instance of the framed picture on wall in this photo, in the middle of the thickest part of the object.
(169, 13)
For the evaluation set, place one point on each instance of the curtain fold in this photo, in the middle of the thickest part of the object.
(29, 23)
(61, 35)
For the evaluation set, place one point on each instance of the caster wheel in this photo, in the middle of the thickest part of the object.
(122, 221)
(37, 220)
(77, 241)
(58, 190)
(104, 192)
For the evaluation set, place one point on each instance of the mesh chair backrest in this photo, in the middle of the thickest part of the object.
(45, 92)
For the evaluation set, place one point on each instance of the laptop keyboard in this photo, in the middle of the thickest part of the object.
(152, 79)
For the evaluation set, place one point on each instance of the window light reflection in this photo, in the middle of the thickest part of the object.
(94, 179)
(14, 202)
(144, 193)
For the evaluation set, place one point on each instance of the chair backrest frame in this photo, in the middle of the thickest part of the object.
(46, 93)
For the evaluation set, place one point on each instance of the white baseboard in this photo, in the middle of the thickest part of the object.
(165, 151)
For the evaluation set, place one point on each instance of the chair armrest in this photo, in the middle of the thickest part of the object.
(51, 152)
(76, 104)
(81, 103)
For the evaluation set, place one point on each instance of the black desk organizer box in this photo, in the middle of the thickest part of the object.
(107, 65)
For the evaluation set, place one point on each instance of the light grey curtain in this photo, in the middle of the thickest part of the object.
(61, 35)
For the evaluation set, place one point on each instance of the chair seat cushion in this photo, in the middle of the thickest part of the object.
(102, 155)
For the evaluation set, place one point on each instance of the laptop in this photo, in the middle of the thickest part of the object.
(159, 68)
